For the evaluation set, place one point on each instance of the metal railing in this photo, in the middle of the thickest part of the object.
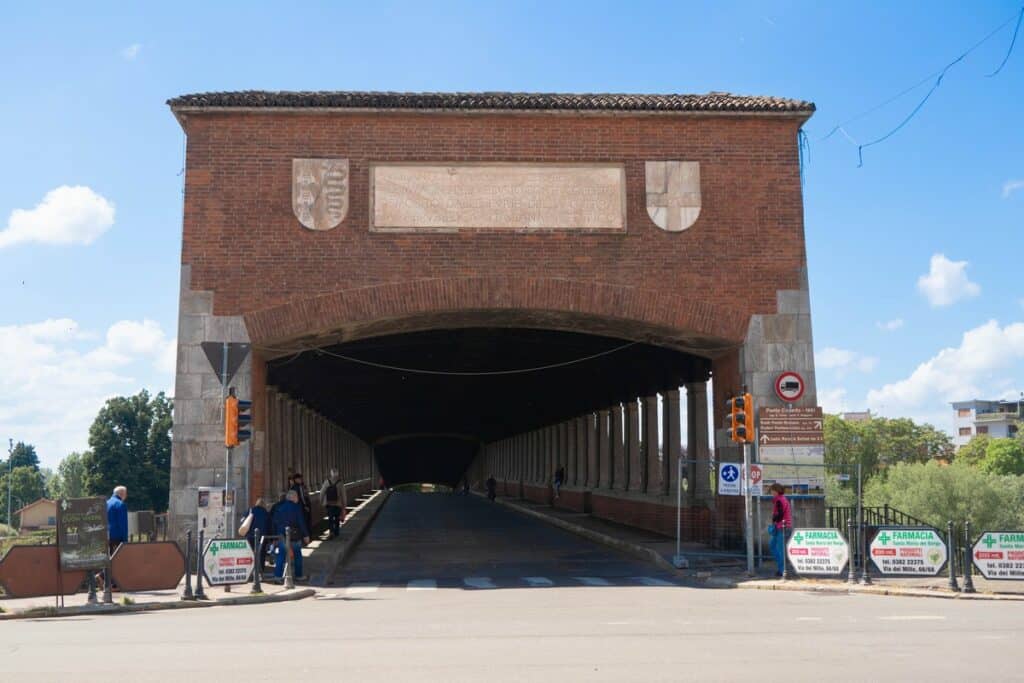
(883, 515)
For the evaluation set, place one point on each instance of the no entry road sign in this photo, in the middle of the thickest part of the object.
(820, 552)
(228, 561)
(1000, 555)
(908, 552)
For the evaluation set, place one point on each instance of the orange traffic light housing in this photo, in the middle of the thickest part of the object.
(237, 417)
(741, 418)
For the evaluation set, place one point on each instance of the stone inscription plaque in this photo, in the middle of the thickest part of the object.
(498, 196)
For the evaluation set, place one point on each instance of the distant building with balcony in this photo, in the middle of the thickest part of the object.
(993, 418)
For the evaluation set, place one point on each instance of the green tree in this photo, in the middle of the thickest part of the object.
(22, 455)
(27, 486)
(1004, 456)
(881, 442)
(69, 481)
(131, 446)
(973, 452)
(936, 493)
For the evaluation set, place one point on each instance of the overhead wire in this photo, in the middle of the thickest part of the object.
(937, 75)
(455, 373)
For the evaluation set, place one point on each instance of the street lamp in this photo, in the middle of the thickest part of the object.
(10, 461)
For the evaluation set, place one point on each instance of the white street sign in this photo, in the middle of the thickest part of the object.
(1000, 554)
(729, 479)
(908, 552)
(818, 551)
(756, 480)
(228, 561)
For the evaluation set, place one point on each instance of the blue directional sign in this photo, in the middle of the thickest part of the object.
(729, 479)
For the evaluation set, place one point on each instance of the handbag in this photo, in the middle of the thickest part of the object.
(246, 523)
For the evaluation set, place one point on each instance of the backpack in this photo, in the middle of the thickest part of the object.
(332, 493)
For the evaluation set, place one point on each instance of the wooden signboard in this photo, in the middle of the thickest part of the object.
(82, 533)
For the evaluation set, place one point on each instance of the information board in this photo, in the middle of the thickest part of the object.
(1000, 555)
(908, 552)
(228, 561)
(818, 552)
(82, 533)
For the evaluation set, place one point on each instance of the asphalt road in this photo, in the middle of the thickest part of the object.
(393, 625)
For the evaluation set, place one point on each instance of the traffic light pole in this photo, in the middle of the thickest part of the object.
(748, 508)
(229, 522)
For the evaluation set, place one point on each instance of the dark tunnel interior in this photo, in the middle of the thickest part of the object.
(427, 400)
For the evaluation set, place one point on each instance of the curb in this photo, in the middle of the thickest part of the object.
(360, 522)
(357, 537)
(877, 590)
(637, 551)
(258, 599)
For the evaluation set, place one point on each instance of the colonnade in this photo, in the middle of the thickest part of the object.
(617, 450)
(301, 440)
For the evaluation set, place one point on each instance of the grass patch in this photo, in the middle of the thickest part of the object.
(125, 600)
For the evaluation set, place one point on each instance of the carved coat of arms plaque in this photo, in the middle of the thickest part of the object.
(320, 192)
(673, 193)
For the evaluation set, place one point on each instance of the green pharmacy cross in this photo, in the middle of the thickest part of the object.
(884, 538)
(989, 541)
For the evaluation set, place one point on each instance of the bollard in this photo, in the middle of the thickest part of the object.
(851, 575)
(289, 567)
(91, 600)
(968, 565)
(951, 539)
(865, 566)
(258, 568)
(200, 593)
(187, 595)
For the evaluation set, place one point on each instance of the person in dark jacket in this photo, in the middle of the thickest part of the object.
(299, 486)
(334, 500)
(492, 488)
(117, 519)
(260, 520)
(289, 515)
(559, 480)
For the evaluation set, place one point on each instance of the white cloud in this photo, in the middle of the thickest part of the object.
(890, 325)
(843, 361)
(946, 282)
(1011, 186)
(67, 215)
(131, 52)
(833, 400)
(52, 383)
(975, 369)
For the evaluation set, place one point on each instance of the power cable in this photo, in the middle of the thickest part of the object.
(938, 76)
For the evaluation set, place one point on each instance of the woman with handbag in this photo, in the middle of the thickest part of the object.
(781, 527)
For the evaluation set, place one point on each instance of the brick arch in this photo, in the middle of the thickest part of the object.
(666, 318)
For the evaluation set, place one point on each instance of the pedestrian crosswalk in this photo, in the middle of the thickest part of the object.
(487, 582)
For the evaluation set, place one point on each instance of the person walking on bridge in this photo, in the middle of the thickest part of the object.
(288, 515)
(492, 488)
(334, 500)
(559, 480)
(299, 486)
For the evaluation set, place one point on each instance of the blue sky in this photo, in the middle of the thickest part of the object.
(90, 203)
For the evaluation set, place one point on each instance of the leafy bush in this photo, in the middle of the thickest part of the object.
(936, 493)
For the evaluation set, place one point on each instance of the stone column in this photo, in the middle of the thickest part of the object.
(634, 451)
(620, 468)
(593, 448)
(655, 482)
(571, 434)
(671, 426)
(580, 424)
(604, 449)
(698, 446)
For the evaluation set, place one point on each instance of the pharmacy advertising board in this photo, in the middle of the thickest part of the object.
(228, 561)
(818, 552)
(908, 552)
(1000, 555)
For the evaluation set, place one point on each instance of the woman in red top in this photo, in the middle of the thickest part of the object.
(782, 526)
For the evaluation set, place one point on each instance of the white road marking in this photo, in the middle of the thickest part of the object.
(421, 585)
(808, 618)
(538, 581)
(913, 617)
(479, 582)
(651, 581)
(592, 581)
(358, 588)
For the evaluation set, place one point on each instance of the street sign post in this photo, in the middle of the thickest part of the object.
(755, 481)
(729, 479)
(228, 561)
(999, 555)
(908, 552)
(818, 552)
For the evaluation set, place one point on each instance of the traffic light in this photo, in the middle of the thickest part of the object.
(741, 418)
(237, 416)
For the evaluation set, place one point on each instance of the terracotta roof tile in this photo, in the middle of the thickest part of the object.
(709, 102)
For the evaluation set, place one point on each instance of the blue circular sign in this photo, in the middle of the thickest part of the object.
(730, 472)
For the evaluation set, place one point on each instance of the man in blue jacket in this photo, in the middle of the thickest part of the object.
(288, 514)
(117, 519)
